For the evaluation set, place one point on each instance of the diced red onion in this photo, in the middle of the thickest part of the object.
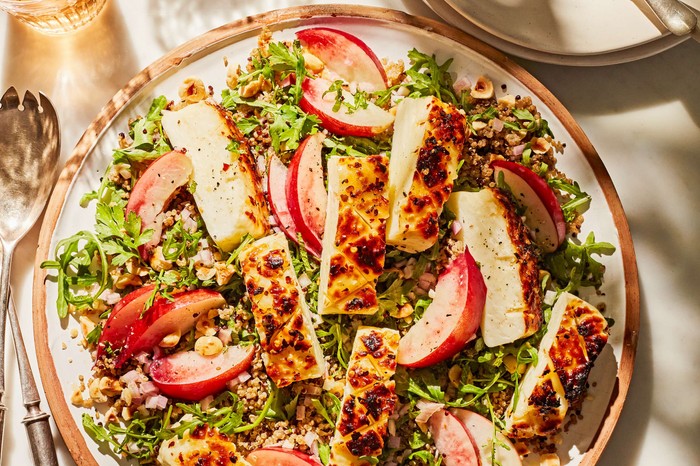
(131, 376)
(143, 357)
(301, 412)
(206, 402)
(456, 227)
(304, 280)
(394, 442)
(308, 401)
(110, 297)
(427, 280)
(261, 164)
(497, 125)
(244, 376)
(156, 402)
(462, 84)
(225, 335)
(149, 389)
(427, 409)
(312, 389)
(310, 438)
(391, 426)
(157, 352)
(204, 257)
(518, 150)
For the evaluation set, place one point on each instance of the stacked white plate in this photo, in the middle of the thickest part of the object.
(565, 32)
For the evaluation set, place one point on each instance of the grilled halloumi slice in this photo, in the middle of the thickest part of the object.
(204, 445)
(576, 334)
(499, 242)
(291, 351)
(429, 136)
(353, 241)
(369, 398)
(228, 191)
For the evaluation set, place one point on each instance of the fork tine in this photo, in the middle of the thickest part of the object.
(30, 102)
(47, 106)
(10, 99)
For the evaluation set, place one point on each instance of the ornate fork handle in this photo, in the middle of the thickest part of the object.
(36, 421)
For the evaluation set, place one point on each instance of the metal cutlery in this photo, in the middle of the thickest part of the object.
(676, 16)
(30, 149)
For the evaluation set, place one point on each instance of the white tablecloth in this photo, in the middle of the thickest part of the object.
(642, 117)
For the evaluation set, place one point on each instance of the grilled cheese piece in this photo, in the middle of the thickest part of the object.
(228, 191)
(576, 334)
(353, 241)
(369, 398)
(291, 351)
(204, 445)
(429, 136)
(498, 240)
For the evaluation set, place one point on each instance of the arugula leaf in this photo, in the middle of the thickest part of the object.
(248, 125)
(573, 266)
(148, 142)
(74, 265)
(430, 78)
(579, 202)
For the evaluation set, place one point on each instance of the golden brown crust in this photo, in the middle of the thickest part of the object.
(359, 245)
(529, 269)
(286, 338)
(579, 341)
(370, 397)
(433, 178)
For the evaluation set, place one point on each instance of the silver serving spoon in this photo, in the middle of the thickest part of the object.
(29, 152)
(676, 16)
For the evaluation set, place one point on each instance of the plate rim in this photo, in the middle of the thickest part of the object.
(441, 8)
(287, 18)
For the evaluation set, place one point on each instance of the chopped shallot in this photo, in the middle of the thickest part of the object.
(225, 335)
(518, 150)
(462, 84)
(148, 389)
(427, 409)
(497, 125)
(301, 412)
(394, 442)
(131, 376)
(156, 402)
(456, 227)
(304, 280)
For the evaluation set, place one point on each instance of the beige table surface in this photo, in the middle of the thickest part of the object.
(642, 117)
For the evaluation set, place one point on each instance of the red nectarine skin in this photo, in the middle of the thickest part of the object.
(189, 376)
(306, 193)
(277, 174)
(166, 317)
(153, 192)
(365, 122)
(453, 440)
(451, 319)
(549, 232)
(346, 55)
(277, 456)
(122, 317)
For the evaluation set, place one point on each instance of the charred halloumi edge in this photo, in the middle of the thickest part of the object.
(204, 441)
(369, 397)
(499, 242)
(429, 136)
(576, 334)
(354, 235)
(228, 189)
(291, 351)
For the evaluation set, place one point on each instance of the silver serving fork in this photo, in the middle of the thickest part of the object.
(29, 152)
